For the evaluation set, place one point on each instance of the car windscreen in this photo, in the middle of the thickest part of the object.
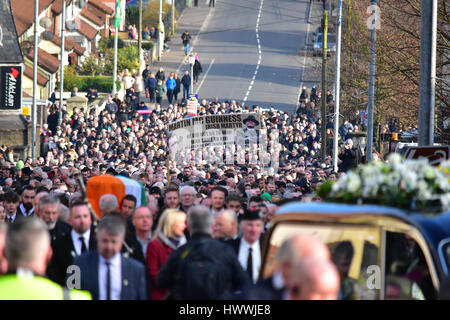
(354, 249)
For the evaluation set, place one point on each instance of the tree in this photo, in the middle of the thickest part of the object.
(397, 64)
(91, 66)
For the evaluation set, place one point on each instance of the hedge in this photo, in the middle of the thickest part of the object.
(84, 83)
(147, 45)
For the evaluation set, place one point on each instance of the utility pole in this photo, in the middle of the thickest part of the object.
(61, 78)
(173, 18)
(35, 66)
(324, 80)
(427, 72)
(140, 28)
(337, 88)
(117, 21)
(160, 41)
(371, 103)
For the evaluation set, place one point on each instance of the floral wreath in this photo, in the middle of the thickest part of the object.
(413, 185)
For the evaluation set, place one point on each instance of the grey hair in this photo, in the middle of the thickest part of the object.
(48, 199)
(108, 202)
(287, 252)
(26, 241)
(112, 224)
(230, 215)
(188, 188)
(63, 213)
(200, 220)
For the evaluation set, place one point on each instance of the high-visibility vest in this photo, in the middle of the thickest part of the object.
(15, 287)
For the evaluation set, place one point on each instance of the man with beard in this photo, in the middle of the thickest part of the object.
(26, 207)
(48, 212)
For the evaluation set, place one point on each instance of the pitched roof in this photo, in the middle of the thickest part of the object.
(92, 17)
(45, 60)
(23, 12)
(69, 44)
(99, 4)
(57, 6)
(28, 72)
(86, 30)
(10, 49)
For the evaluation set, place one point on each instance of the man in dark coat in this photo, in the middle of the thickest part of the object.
(248, 247)
(224, 276)
(186, 81)
(350, 157)
(79, 240)
(107, 263)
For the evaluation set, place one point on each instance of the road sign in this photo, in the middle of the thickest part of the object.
(434, 155)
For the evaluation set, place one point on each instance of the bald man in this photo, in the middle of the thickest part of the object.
(288, 255)
(313, 279)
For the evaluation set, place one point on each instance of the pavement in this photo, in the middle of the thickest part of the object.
(253, 51)
(174, 60)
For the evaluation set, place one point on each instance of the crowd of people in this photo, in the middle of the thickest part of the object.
(209, 211)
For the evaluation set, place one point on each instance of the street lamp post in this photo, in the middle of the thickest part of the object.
(337, 89)
(35, 66)
(427, 72)
(160, 41)
(192, 62)
(371, 102)
(61, 78)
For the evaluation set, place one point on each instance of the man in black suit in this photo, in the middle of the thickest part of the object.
(288, 256)
(79, 240)
(26, 208)
(106, 273)
(48, 208)
(12, 202)
(248, 247)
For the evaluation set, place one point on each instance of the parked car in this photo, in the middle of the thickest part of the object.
(383, 253)
(318, 43)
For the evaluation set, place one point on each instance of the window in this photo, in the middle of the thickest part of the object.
(407, 273)
(354, 250)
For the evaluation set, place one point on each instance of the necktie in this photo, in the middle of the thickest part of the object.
(10, 220)
(83, 245)
(108, 280)
(250, 264)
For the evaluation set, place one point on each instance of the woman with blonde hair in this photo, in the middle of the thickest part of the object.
(168, 236)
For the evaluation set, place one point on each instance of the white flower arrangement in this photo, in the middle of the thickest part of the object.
(407, 184)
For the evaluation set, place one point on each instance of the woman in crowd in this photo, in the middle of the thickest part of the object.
(160, 90)
(168, 236)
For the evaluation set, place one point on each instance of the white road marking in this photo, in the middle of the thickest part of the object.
(259, 53)
(206, 74)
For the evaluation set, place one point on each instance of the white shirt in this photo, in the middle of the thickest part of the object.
(13, 217)
(76, 240)
(216, 213)
(256, 255)
(116, 277)
(22, 209)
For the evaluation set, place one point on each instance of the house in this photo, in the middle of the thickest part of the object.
(86, 22)
(15, 129)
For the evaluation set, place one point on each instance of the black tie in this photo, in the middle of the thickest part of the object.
(108, 280)
(83, 245)
(10, 220)
(250, 264)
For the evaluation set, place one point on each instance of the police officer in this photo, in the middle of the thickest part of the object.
(28, 251)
